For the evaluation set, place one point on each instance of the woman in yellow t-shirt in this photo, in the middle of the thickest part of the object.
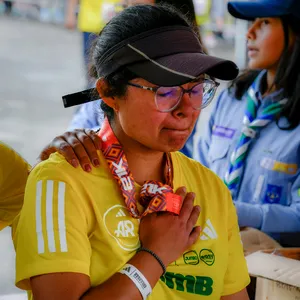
(130, 229)
(14, 171)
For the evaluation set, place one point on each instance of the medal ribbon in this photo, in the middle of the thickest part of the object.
(154, 196)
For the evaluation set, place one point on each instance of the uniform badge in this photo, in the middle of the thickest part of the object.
(273, 194)
(223, 131)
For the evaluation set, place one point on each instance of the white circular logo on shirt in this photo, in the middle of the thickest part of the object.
(122, 227)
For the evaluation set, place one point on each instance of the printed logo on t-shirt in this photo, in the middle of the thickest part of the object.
(191, 258)
(198, 285)
(209, 232)
(207, 256)
(122, 227)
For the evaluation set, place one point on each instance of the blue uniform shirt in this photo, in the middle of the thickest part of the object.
(269, 194)
(90, 115)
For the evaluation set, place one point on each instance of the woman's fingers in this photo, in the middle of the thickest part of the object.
(59, 144)
(194, 236)
(78, 147)
(187, 207)
(79, 150)
(95, 138)
(193, 218)
(91, 144)
(64, 148)
(46, 153)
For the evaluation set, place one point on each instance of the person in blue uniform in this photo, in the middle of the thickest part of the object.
(253, 136)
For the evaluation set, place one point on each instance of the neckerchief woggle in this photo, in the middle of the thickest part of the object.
(154, 196)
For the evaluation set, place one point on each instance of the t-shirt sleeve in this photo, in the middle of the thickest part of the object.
(13, 176)
(236, 276)
(53, 230)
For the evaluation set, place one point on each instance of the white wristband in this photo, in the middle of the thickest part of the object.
(138, 279)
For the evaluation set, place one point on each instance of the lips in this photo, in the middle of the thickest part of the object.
(177, 129)
(252, 51)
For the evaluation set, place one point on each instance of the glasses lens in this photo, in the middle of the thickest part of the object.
(196, 95)
(209, 91)
(202, 94)
(167, 98)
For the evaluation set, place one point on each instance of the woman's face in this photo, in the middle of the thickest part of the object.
(265, 43)
(139, 119)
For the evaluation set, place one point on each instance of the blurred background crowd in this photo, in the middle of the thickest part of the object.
(216, 24)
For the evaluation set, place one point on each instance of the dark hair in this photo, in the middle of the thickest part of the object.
(187, 8)
(287, 76)
(130, 22)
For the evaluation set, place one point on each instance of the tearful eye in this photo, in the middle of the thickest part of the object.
(165, 94)
(196, 92)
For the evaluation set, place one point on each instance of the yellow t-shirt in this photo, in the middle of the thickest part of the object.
(74, 221)
(13, 176)
(94, 14)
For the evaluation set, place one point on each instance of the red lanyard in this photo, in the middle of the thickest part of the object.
(154, 196)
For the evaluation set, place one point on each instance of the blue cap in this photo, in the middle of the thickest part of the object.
(252, 9)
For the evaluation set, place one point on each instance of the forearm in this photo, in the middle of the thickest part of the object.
(269, 217)
(71, 8)
(121, 287)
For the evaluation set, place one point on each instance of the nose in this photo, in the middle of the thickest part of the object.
(251, 32)
(184, 108)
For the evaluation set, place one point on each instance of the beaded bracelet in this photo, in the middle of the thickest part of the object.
(155, 256)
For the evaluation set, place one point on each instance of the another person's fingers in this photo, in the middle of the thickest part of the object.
(187, 207)
(89, 147)
(95, 138)
(79, 150)
(45, 153)
(193, 218)
(65, 149)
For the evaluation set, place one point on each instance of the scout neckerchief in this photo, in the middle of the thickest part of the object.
(154, 196)
(252, 123)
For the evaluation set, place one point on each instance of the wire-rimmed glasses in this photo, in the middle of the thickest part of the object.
(168, 98)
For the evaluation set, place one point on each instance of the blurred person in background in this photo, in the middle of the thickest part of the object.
(78, 231)
(89, 115)
(8, 5)
(92, 17)
(218, 11)
(253, 137)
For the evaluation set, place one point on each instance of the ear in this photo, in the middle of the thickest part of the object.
(102, 86)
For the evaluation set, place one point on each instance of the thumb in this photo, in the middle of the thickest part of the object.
(46, 153)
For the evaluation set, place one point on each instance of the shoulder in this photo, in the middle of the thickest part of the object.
(13, 170)
(10, 157)
(57, 168)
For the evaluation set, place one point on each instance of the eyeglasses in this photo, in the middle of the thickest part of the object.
(168, 98)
